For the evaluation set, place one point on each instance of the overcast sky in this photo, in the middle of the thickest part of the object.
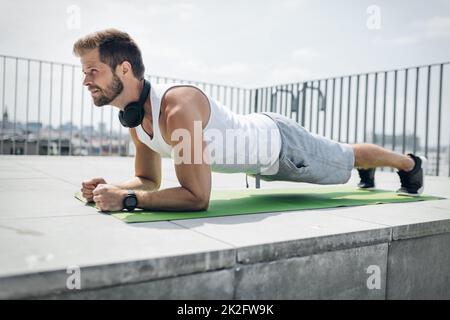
(245, 43)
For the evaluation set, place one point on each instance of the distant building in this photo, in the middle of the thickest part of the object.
(34, 127)
(6, 124)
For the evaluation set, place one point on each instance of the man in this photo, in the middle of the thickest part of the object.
(170, 115)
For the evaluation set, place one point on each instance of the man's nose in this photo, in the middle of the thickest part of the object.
(86, 81)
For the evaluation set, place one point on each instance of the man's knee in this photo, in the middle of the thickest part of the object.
(362, 155)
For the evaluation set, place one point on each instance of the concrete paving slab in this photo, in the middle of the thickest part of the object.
(43, 197)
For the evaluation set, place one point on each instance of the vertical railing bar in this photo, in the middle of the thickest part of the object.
(50, 110)
(356, 109)
(27, 108)
(404, 111)
(225, 99)
(120, 141)
(102, 127)
(91, 128)
(291, 89)
(71, 109)
(415, 109)
(3, 103)
(282, 96)
(81, 135)
(394, 113)
(238, 104)
(245, 100)
(428, 110)
(375, 107)
(110, 131)
(60, 110)
(441, 72)
(383, 129)
(311, 106)
(266, 99)
(326, 108)
(366, 93)
(340, 108)
(384, 110)
(286, 100)
(272, 99)
(15, 105)
(318, 106)
(297, 92)
(304, 86)
(347, 138)
(38, 136)
(332, 110)
(232, 100)
(256, 100)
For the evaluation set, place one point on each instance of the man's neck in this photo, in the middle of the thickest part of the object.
(130, 93)
(133, 94)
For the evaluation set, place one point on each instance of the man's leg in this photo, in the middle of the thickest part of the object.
(411, 168)
(372, 156)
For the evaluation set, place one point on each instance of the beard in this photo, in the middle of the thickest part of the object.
(109, 93)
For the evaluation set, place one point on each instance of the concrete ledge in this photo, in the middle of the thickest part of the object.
(215, 285)
(305, 247)
(32, 285)
(419, 268)
(332, 275)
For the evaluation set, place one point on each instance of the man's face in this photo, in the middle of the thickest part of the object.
(103, 84)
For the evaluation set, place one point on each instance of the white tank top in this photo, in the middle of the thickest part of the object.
(235, 143)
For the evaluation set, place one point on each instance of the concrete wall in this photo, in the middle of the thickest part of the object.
(414, 268)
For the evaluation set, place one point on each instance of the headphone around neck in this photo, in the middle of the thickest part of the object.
(133, 113)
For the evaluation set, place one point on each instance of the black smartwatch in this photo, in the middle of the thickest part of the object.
(130, 202)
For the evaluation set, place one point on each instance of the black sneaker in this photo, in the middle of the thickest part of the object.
(367, 179)
(412, 181)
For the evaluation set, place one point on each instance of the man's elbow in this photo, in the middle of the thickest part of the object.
(201, 204)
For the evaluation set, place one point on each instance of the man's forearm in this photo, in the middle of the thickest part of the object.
(138, 183)
(172, 199)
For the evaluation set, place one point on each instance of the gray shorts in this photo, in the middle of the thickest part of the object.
(307, 157)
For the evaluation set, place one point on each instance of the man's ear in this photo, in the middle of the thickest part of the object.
(125, 69)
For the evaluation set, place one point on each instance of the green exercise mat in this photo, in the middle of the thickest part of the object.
(248, 201)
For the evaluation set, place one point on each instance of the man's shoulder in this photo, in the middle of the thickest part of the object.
(183, 100)
(182, 93)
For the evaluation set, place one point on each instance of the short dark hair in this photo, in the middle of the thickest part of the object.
(114, 47)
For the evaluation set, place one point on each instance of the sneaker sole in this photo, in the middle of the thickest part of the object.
(420, 191)
(371, 188)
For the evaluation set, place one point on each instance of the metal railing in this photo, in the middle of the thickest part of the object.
(46, 110)
(406, 110)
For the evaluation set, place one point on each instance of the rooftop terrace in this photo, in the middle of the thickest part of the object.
(327, 253)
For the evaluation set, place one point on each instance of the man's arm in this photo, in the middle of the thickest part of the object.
(195, 178)
(147, 167)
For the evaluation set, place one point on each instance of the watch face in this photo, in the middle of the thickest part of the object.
(131, 202)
